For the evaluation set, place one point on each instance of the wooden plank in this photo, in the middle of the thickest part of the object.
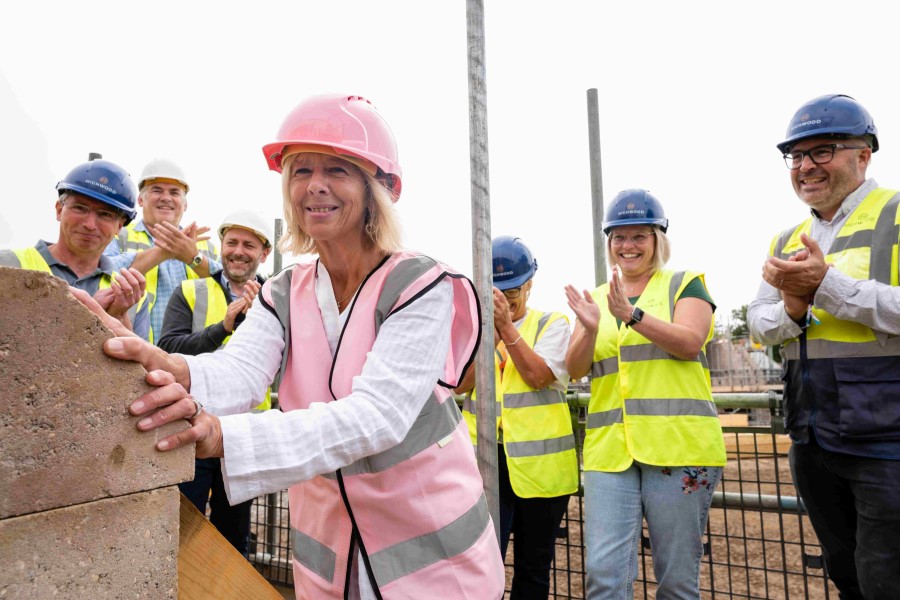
(209, 567)
(753, 443)
(734, 419)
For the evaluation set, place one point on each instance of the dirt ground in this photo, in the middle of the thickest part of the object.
(753, 554)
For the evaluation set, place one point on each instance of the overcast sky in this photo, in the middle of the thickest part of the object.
(693, 98)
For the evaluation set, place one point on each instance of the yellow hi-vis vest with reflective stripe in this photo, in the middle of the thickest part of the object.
(873, 224)
(209, 305)
(31, 259)
(133, 240)
(536, 424)
(646, 404)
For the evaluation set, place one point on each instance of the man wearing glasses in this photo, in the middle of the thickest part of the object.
(95, 200)
(830, 295)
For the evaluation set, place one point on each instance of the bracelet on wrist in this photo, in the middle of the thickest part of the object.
(515, 342)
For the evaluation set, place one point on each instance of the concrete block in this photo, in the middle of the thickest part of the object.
(125, 547)
(66, 436)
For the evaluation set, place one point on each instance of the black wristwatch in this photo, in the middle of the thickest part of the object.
(636, 315)
(198, 260)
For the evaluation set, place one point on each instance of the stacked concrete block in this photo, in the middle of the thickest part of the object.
(87, 504)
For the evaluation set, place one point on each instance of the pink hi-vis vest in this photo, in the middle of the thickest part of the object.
(416, 512)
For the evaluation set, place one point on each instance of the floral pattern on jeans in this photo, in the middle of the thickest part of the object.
(694, 478)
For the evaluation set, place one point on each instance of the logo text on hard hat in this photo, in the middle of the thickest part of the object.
(806, 122)
(100, 185)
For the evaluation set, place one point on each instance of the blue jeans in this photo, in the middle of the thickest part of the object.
(674, 501)
(233, 522)
(852, 503)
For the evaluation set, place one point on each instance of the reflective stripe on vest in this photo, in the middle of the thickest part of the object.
(404, 558)
(853, 253)
(536, 425)
(434, 424)
(662, 392)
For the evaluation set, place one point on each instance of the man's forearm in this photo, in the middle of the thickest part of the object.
(147, 259)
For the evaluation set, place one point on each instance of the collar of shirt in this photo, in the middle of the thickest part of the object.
(104, 265)
(850, 202)
(824, 231)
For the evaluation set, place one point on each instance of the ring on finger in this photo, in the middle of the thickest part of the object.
(199, 407)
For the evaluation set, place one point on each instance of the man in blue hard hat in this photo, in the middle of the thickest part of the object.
(94, 201)
(830, 295)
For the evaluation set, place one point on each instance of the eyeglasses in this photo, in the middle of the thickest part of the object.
(513, 293)
(637, 239)
(83, 210)
(820, 155)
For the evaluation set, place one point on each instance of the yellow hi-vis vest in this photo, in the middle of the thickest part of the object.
(536, 424)
(873, 224)
(133, 240)
(31, 259)
(209, 305)
(646, 404)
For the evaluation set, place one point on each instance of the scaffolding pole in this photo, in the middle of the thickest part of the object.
(596, 187)
(486, 407)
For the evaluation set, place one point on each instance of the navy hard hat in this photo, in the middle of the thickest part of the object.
(104, 181)
(831, 116)
(512, 262)
(635, 207)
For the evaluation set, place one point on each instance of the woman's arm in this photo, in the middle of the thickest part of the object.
(580, 355)
(273, 450)
(684, 337)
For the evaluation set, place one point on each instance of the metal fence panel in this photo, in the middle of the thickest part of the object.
(760, 545)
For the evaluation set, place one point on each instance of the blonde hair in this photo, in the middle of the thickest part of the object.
(382, 226)
(662, 249)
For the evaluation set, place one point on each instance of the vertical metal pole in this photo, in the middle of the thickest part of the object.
(276, 259)
(596, 187)
(272, 499)
(486, 407)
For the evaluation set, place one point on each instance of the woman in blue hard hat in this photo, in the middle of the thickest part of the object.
(538, 467)
(653, 445)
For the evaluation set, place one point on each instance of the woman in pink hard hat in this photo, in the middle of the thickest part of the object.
(367, 341)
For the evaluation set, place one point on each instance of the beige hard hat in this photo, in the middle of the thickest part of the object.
(252, 221)
(165, 169)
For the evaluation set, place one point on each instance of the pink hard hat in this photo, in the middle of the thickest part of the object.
(343, 125)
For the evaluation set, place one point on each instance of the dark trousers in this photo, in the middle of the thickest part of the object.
(854, 506)
(534, 521)
(233, 522)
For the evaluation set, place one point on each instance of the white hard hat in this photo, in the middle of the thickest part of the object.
(163, 168)
(253, 221)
